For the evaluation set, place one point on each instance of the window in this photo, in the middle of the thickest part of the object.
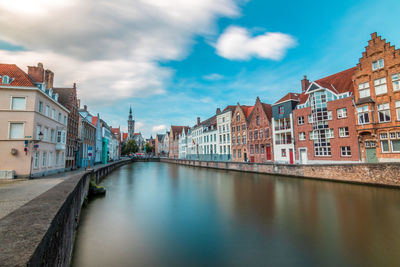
(370, 144)
(363, 115)
(238, 128)
(47, 111)
(300, 120)
(238, 117)
(310, 120)
(6, 79)
(281, 109)
(44, 159)
(40, 107)
(36, 161)
(233, 140)
(345, 151)
(342, 113)
(251, 149)
(283, 153)
(53, 114)
(234, 153)
(233, 129)
(244, 139)
(250, 135)
(395, 141)
(397, 103)
(384, 142)
(380, 86)
(255, 135)
(63, 137)
(50, 159)
(344, 132)
(18, 103)
(243, 127)
(238, 139)
(364, 90)
(266, 132)
(52, 133)
(379, 64)
(396, 81)
(258, 120)
(302, 136)
(45, 134)
(384, 112)
(257, 149)
(239, 153)
(262, 149)
(65, 120)
(261, 134)
(16, 130)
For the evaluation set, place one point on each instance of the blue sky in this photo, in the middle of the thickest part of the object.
(173, 61)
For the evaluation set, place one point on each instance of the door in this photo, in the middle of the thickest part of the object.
(251, 158)
(268, 150)
(245, 156)
(291, 156)
(303, 155)
(371, 155)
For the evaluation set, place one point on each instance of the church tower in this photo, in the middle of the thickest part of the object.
(131, 125)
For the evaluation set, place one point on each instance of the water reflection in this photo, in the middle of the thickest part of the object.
(158, 214)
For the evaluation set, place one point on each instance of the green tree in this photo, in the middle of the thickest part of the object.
(148, 148)
(130, 147)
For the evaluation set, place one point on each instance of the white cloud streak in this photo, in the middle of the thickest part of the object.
(236, 43)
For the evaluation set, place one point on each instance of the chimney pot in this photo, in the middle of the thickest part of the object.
(198, 120)
(304, 83)
(85, 107)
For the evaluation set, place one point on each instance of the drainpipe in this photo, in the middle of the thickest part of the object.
(359, 149)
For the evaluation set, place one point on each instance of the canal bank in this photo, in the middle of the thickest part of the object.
(42, 231)
(378, 174)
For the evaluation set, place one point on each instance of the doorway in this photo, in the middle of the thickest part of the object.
(303, 155)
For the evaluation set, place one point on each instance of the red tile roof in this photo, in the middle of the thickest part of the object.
(124, 136)
(176, 130)
(289, 96)
(268, 110)
(115, 131)
(229, 107)
(18, 76)
(247, 110)
(339, 83)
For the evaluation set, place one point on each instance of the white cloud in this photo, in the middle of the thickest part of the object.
(236, 43)
(213, 77)
(159, 128)
(112, 49)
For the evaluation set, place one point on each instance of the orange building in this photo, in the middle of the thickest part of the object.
(377, 97)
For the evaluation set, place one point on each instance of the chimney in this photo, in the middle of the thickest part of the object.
(85, 107)
(304, 83)
(49, 79)
(36, 73)
(198, 120)
(74, 86)
(218, 111)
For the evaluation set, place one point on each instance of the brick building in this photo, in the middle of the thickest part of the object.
(324, 120)
(68, 98)
(240, 115)
(259, 133)
(377, 96)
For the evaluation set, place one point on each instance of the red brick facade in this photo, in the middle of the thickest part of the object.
(259, 133)
(379, 131)
(240, 152)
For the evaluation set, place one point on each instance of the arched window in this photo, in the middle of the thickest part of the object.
(238, 117)
(6, 79)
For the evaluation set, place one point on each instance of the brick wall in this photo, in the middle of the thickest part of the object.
(387, 174)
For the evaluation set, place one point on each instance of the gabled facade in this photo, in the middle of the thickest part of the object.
(87, 139)
(324, 121)
(183, 143)
(174, 140)
(158, 144)
(98, 151)
(224, 120)
(377, 97)
(239, 123)
(259, 133)
(68, 98)
(283, 128)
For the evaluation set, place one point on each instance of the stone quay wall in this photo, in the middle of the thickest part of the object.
(382, 174)
(42, 232)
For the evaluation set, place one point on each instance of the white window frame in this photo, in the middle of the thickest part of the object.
(344, 132)
(36, 160)
(397, 105)
(396, 81)
(302, 136)
(380, 86)
(341, 113)
(300, 120)
(361, 112)
(378, 64)
(12, 107)
(44, 159)
(10, 129)
(345, 151)
(364, 90)
(384, 109)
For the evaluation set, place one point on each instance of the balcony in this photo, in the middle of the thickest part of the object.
(60, 146)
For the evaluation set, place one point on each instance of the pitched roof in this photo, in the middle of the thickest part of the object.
(289, 96)
(124, 136)
(176, 130)
(115, 131)
(247, 110)
(160, 137)
(64, 94)
(268, 110)
(18, 77)
(340, 82)
(229, 107)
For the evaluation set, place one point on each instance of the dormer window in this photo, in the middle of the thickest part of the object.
(6, 79)
(379, 64)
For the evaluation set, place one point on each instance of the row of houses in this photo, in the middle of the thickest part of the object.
(348, 117)
(43, 129)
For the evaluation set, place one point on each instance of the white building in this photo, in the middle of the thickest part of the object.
(224, 119)
(283, 128)
(183, 143)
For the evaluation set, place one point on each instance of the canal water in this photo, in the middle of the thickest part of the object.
(160, 214)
